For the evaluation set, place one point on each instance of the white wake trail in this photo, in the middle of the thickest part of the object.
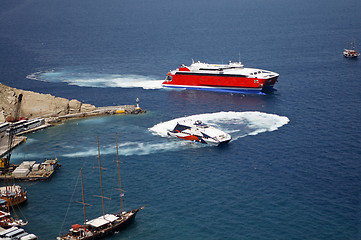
(99, 80)
(238, 124)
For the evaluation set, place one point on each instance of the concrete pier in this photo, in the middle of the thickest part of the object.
(100, 111)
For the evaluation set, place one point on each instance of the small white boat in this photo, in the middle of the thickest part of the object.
(198, 131)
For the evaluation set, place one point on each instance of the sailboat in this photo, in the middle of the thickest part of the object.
(350, 51)
(105, 225)
(13, 195)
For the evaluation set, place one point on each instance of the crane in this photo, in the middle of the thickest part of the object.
(5, 162)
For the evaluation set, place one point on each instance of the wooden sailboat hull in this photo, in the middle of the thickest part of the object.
(117, 226)
(114, 228)
(13, 201)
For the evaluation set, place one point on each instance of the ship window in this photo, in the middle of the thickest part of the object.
(206, 136)
(181, 128)
(209, 69)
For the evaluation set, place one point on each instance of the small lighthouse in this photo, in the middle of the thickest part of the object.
(137, 100)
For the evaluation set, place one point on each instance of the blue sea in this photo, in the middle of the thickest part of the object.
(293, 168)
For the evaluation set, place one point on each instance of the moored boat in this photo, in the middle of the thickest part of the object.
(6, 221)
(198, 131)
(13, 195)
(100, 227)
(232, 77)
(105, 225)
(31, 170)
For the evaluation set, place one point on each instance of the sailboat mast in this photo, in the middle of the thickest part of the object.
(82, 190)
(100, 174)
(120, 186)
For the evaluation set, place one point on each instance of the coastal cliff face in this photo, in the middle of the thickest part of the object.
(37, 105)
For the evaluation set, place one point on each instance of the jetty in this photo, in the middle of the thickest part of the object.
(99, 111)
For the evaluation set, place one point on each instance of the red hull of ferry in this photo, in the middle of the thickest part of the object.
(232, 77)
(220, 81)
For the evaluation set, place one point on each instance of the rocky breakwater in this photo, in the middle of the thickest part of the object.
(53, 109)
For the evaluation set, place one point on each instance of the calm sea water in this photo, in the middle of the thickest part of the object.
(293, 168)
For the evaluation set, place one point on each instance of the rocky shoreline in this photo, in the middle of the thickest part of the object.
(52, 109)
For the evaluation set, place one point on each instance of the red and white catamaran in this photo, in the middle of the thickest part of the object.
(232, 77)
(197, 131)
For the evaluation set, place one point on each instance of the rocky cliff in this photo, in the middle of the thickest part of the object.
(36, 105)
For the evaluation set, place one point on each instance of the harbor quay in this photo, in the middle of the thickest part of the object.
(12, 135)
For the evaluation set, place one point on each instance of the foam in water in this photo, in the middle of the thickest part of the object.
(134, 148)
(238, 124)
(98, 80)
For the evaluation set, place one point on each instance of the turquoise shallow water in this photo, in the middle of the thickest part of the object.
(292, 170)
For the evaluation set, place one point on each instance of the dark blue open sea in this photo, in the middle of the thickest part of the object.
(293, 168)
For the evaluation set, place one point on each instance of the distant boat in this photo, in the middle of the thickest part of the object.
(198, 131)
(350, 51)
(105, 225)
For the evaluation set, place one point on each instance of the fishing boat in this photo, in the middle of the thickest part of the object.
(6, 221)
(350, 51)
(232, 77)
(198, 131)
(13, 195)
(105, 225)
